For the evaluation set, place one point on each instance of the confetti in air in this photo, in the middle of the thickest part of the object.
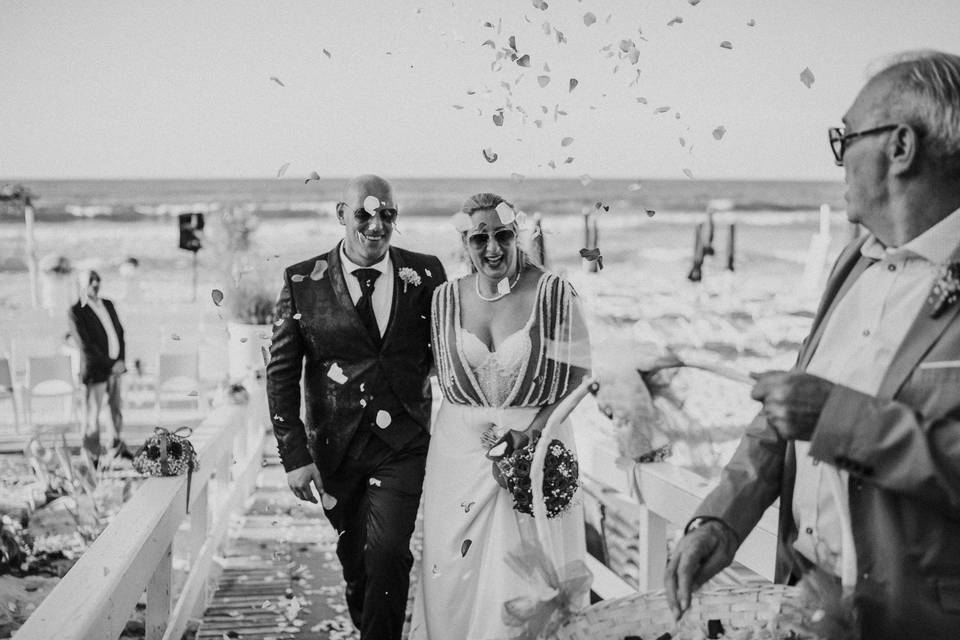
(466, 506)
(217, 296)
(465, 547)
(327, 53)
(313, 176)
(589, 18)
(806, 77)
(751, 22)
(543, 81)
(489, 155)
(593, 255)
(677, 20)
(283, 169)
(371, 204)
(573, 84)
(383, 419)
(726, 45)
(277, 80)
(319, 269)
(719, 132)
(688, 173)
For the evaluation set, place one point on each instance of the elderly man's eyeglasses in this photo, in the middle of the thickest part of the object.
(387, 214)
(503, 237)
(839, 141)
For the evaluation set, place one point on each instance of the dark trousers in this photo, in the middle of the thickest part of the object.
(378, 494)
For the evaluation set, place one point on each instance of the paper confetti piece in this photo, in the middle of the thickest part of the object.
(642, 100)
(543, 81)
(523, 61)
(688, 173)
(517, 177)
(573, 84)
(336, 374)
(489, 155)
(466, 506)
(328, 501)
(650, 213)
(498, 118)
(383, 419)
(635, 186)
(297, 316)
(313, 176)
(561, 39)
(429, 275)
(458, 106)
(277, 80)
(298, 277)
(568, 160)
(506, 213)
(751, 22)
(327, 53)
(693, 3)
(319, 269)
(375, 482)
(283, 169)
(719, 132)
(243, 340)
(174, 337)
(677, 20)
(683, 141)
(371, 204)
(566, 142)
(806, 77)
(601, 205)
(726, 45)
(589, 18)
(265, 354)
(593, 255)
(435, 571)
(217, 296)
(661, 110)
(585, 180)
(540, 4)
(465, 547)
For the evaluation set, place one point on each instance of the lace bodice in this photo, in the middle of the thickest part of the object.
(496, 371)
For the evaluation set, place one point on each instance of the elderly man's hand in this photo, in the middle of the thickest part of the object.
(299, 480)
(792, 401)
(699, 555)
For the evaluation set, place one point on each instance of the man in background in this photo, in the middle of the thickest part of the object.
(99, 335)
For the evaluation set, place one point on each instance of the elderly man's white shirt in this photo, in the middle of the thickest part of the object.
(857, 347)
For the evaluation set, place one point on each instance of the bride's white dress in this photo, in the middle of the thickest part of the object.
(470, 524)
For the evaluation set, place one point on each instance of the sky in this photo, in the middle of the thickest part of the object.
(171, 89)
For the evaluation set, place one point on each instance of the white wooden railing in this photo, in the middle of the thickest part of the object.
(135, 552)
(668, 497)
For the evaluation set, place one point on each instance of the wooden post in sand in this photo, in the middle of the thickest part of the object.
(731, 247)
(591, 238)
(31, 251)
(696, 271)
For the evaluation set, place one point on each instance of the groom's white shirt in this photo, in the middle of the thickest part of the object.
(382, 298)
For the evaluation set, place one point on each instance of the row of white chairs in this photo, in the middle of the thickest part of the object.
(53, 378)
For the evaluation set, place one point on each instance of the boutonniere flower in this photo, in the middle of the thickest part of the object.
(945, 291)
(409, 277)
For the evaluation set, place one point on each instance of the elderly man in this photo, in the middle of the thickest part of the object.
(875, 393)
(356, 322)
(96, 328)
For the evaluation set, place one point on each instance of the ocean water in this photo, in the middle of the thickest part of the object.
(129, 200)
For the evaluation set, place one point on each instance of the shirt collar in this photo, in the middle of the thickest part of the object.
(382, 265)
(940, 244)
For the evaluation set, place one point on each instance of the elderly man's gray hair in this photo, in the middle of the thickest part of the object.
(927, 84)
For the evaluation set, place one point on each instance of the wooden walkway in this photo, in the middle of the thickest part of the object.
(281, 577)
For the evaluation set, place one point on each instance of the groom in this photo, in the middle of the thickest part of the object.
(356, 322)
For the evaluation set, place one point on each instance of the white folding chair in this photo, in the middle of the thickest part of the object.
(178, 378)
(8, 391)
(50, 378)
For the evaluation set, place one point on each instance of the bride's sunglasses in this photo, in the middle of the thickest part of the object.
(503, 237)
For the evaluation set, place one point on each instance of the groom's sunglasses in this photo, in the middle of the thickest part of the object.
(387, 214)
(503, 237)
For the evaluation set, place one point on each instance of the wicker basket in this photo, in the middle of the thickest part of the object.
(647, 615)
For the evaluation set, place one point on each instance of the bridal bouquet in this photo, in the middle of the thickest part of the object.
(561, 476)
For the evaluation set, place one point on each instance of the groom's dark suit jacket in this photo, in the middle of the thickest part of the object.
(347, 377)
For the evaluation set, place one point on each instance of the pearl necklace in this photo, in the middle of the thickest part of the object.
(499, 295)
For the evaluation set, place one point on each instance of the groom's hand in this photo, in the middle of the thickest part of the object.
(300, 479)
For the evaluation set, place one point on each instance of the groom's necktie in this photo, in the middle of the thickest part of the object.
(368, 279)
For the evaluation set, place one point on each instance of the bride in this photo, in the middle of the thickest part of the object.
(510, 343)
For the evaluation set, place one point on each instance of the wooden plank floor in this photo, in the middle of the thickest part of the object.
(281, 577)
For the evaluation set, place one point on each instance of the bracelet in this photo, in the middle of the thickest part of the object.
(699, 521)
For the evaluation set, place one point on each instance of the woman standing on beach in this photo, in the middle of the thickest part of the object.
(509, 342)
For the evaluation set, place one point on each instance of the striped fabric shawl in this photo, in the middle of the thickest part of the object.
(556, 363)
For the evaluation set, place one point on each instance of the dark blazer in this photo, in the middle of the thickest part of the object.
(91, 337)
(321, 335)
(902, 450)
